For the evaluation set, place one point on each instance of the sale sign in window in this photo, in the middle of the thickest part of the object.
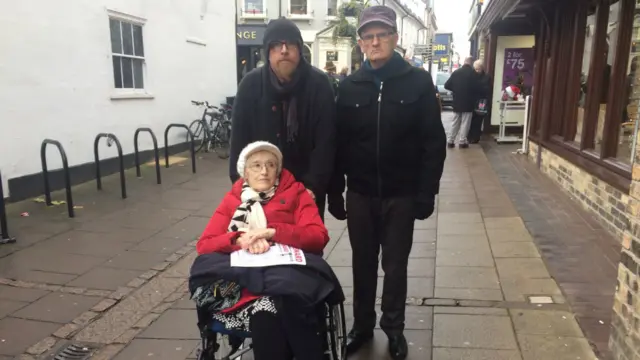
(518, 69)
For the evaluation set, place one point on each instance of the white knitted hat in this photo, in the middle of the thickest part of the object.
(253, 148)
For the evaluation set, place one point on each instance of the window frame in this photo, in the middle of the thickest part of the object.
(246, 15)
(307, 15)
(603, 164)
(128, 93)
(335, 16)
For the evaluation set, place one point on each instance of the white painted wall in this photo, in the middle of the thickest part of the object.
(505, 42)
(57, 75)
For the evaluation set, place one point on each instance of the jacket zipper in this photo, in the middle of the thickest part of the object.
(378, 142)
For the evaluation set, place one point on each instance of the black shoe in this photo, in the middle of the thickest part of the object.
(451, 145)
(464, 146)
(398, 348)
(355, 340)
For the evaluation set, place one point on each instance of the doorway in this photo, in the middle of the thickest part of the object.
(249, 58)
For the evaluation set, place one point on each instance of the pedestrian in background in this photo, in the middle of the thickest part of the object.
(484, 95)
(290, 104)
(391, 147)
(464, 85)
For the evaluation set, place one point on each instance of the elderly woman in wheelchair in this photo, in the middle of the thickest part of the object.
(289, 311)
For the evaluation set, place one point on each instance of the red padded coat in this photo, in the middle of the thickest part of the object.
(291, 212)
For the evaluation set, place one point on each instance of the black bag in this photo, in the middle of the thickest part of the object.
(481, 107)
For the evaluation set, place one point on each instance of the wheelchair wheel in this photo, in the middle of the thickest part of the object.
(222, 348)
(337, 332)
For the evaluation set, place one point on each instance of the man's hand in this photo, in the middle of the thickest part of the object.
(313, 196)
(337, 206)
(424, 208)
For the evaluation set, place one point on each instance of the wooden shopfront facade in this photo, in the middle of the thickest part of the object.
(584, 111)
(584, 121)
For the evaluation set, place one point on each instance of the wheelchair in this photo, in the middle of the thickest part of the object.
(219, 343)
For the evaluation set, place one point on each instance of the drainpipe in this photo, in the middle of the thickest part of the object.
(279, 9)
(402, 31)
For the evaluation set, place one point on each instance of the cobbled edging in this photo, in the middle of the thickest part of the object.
(111, 298)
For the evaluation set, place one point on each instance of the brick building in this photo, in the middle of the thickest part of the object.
(584, 118)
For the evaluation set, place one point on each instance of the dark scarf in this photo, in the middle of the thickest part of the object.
(289, 95)
(386, 70)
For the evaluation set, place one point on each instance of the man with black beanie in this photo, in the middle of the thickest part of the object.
(290, 104)
(391, 148)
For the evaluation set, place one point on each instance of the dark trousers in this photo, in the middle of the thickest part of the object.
(475, 130)
(321, 201)
(376, 224)
(277, 338)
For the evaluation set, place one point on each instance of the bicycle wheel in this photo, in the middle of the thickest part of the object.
(199, 130)
(222, 136)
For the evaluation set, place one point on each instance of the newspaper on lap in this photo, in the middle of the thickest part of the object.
(278, 254)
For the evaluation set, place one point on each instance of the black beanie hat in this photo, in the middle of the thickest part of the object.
(282, 29)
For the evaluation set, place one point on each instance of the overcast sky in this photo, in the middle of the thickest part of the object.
(453, 16)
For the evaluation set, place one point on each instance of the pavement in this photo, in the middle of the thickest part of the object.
(113, 280)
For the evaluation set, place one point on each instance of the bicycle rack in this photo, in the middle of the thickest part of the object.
(45, 174)
(123, 184)
(166, 145)
(155, 152)
(4, 229)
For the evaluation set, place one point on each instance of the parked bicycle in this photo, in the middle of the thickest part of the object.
(214, 133)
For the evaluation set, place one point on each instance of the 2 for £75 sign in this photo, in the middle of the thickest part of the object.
(515, 59)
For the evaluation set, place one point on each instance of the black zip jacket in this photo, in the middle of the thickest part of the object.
(391, 141)
(258, 115)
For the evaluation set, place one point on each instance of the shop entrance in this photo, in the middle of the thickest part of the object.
(249, 57)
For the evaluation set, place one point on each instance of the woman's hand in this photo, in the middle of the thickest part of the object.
(259, 246)
(247, 239)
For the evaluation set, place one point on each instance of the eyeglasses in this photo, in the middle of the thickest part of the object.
(277, 45)
(257, 167)
(382, 36)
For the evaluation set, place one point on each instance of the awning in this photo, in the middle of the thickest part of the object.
(496, 10)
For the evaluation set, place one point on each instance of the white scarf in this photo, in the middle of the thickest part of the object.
(249, 215)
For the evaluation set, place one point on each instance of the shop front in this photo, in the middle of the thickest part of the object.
(249, 51)
(583, 133)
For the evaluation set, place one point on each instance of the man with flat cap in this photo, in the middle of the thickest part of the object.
(290, 104)
(391, 148)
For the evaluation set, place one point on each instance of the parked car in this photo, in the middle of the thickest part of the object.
(446, 96)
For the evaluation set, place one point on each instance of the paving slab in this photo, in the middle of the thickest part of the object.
(8, 307)
(536, 347)
(16, 335)
(528, 268)
(474, 354)
(515, 249)
(477, 256)
(135, 260)
(468, 294)
(21, 294)
(173, 324)
(467, 277)
(105, 278)
(146, 349)
(516, 289)
(551, 323)
(473, 331)
(419, 346)
(57, 307)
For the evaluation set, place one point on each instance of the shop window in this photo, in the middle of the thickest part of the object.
(589, 35)
(608, 55)
(628, 128)
(332, 7)
(298, 7)
(254, 8)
